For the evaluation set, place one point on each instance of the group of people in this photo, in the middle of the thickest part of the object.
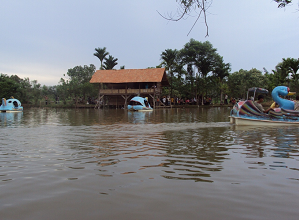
(176, 101)
(232, 100)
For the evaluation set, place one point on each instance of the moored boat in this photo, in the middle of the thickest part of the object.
(11, 105)
(139, 104)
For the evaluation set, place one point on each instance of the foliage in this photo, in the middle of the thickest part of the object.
(169, 57)
(195, 71)
(22, 89)
(36, 92)
(239, 82)
(77, 87)
(8, 87)
(101, 53)
(291, 66)
(110, 63)
(201, 59)
(221, 72)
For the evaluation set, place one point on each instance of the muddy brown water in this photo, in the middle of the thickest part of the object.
(165, 164)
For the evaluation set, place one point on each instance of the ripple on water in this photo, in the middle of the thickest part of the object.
(151, 165)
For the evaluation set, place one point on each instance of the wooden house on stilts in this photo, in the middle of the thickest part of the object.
(117, 87)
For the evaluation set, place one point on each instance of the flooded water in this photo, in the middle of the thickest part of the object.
(166, 164)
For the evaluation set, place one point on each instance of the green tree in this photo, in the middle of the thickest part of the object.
(291, 65)
(110, 63)
(63, 90)
(24, 89)
(8, 87)
(239, 82)
(169, 62)
(279, 76)
(201, 59)
(101, 53)
(78, 83)
(187, 58)
(35, 91)
(221, 71)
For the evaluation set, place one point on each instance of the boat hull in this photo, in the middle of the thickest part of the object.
(247, 112)
(139, 108)
(259, 122)
(11, 110)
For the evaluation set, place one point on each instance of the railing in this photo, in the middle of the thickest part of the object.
(125, 91)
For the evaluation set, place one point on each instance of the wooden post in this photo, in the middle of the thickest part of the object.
(125, 97)
(100, 85)
(139, 94)
(154, 97)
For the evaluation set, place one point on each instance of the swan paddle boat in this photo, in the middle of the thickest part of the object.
(11, 105)
(139, 104)
(246, 113)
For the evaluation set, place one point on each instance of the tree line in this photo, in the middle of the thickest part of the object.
(194, 71)
(197, 70)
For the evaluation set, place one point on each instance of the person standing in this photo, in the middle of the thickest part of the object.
(225, 99)
(46, 100)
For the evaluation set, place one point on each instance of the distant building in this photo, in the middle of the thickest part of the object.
(117, 87)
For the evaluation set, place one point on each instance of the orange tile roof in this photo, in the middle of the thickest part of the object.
(129, 75)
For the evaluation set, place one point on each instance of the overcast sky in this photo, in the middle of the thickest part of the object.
(42, 39)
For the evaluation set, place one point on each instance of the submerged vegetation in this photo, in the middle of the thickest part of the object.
(194, 71)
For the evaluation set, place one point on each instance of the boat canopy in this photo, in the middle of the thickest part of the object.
(256, 90)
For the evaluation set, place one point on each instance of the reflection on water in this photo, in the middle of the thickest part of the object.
(195, 154)
(73, 162)
(138, 117)
(10, 118)
(282, 141)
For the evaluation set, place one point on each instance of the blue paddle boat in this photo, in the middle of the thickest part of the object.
(11, 105)
(246, 113)
(139, 104)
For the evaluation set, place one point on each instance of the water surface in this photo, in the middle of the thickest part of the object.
(166, 164)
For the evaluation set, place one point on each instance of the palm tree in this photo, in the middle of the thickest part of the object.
(281, 75)
(204, 60)
(221, 70)
(110, 63)
(101, 54)
(168, 56)
(292, 67)
(169, 62)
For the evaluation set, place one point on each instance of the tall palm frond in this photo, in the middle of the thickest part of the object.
(101, 53)
(110, 63)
